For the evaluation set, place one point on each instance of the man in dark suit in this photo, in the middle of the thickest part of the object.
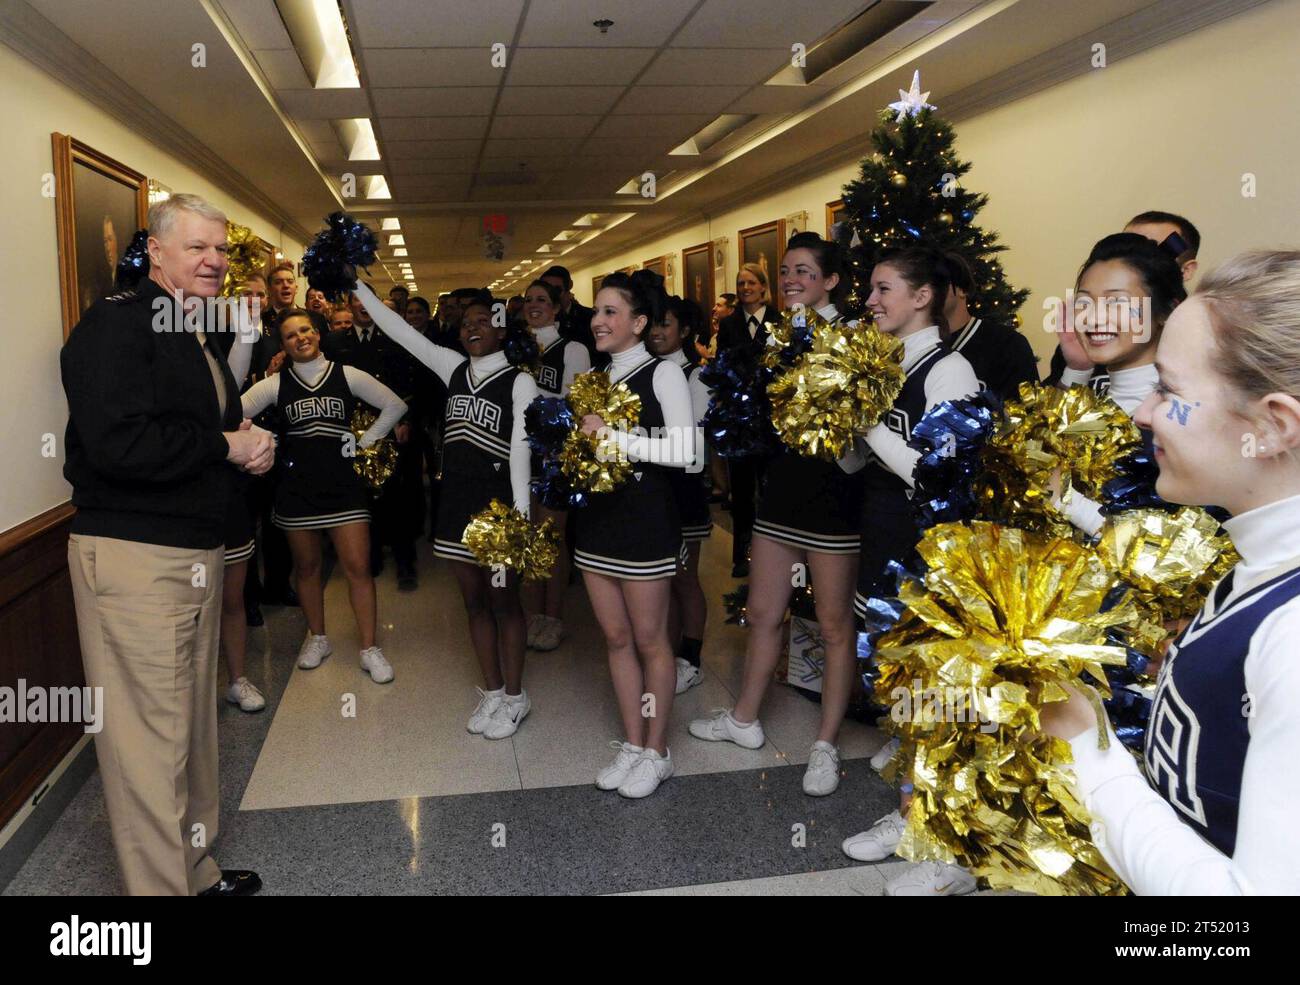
(575, 320)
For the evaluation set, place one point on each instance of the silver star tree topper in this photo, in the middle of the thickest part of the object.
(911, 103)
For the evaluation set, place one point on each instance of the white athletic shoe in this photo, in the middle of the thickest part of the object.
(613, 775)
(723, 728)
(487, 704)
(374, 664)
(931, 879)
(244, 694)
(688, 675)
(823, 773)
(510, 712)
(549, 635)
(879, 841)
(884, 754)
(648, 772)
(314, 650)
(535, 623)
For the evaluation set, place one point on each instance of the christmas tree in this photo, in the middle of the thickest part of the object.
(910, 193)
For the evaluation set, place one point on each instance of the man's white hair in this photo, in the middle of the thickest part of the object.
(162, 215)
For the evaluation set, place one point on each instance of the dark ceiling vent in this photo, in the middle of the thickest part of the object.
(863, 31)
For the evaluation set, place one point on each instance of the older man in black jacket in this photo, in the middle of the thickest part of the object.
(154, 433)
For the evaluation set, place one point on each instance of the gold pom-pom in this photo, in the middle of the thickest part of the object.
(1004, 621)
(590, 462)
(1047, 429)
(840, 387)
(376, 463)
(501, 536)
(244, 254)
(1170, 560)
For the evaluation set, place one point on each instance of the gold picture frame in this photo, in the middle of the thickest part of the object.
(93, 195)
(764, 245)
(697, 275)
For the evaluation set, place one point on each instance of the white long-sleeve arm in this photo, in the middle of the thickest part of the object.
(391, 407)
(951, 378)
(260, 395)
(436, 357)
(1143, 838)
(676, 447)
(524, 392)
(576, 360)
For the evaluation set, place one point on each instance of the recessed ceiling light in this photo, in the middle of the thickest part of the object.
(397, 240)
(390, 223)
(357, 137)
(401, 252)
(321, 40)
(376, 186)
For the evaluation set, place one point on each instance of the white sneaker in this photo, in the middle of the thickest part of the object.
(647, 773)
(613, 775)
(374, 664)
(884, 754)
(823, 773)
(549, 635)
(535, 623)
(931, 879)
(314, 650)
(688, 675)
(244, 694)
(487, 704)
(723, 728)
(879, 841)
(510, 712)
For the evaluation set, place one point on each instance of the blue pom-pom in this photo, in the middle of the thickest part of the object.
(134, 265)
(337, 252)
(548, 421)
(553, 489)
(951, 439)
(738, 422)
(1135, 486)
(520, 347)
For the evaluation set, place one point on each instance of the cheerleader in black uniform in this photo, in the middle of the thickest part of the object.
(1214, 814)
(320, 489)
(671, 339)
(485, 457)
(561, 360)
(810, 511)
(629, 541)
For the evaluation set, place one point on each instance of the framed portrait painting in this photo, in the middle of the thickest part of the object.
(763, 245)
(697, 275)
(834, 214)
(99, 205)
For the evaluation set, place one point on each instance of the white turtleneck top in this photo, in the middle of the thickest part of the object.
(443, 361)
(1140, 833)
(391, 407)
(677, 447)
(951, 378)
(576, 357)
(1128, 388)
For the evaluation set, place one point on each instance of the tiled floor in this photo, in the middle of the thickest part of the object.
(401, 799)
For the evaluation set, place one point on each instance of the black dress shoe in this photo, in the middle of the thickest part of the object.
(235, 882)
(740, 569)
(253, 617)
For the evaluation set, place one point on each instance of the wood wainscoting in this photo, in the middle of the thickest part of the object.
(38, 644)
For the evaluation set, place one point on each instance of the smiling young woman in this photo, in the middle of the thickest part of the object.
(1215, 812)
(319, 489)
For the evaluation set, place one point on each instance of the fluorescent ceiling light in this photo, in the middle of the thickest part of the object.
(376, 186)
(357, 137)
(388, 224)
(397, 240)
(633, 187)
(321, 40)
(400, 252)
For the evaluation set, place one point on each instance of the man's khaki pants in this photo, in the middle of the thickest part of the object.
(149, 617)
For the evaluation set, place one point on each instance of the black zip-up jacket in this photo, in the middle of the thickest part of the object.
(144, 450)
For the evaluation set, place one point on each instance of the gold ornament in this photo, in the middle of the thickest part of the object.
(898, 179)
(376, 463)
(945, 218)
(500, 535)
(1002, 624)
(840, 387)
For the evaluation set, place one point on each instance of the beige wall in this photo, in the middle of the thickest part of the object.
(34, 105)
(1173, 128)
